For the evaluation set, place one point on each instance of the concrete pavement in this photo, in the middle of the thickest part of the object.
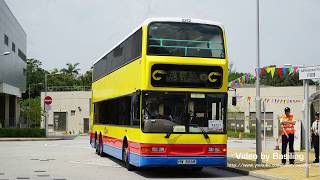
(75, 159)
(241, 157)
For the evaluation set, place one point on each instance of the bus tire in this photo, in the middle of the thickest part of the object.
(97, 146)
(101, 153)
(95, 140)
(125, 158)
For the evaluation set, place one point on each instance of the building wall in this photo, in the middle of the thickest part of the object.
(246, 103)
(12, 67)
(12, 73)
(77, 101)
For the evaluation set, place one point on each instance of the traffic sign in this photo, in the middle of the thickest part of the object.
(311, 72)
(48, 100)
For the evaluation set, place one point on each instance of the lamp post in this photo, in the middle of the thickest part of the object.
(258, 100)
(45, 94)
(29, 90)
(5, 53)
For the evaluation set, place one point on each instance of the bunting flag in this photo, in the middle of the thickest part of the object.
(295, 70)
(284, 72)
(272, 70)
(270, 100)
(262, 72)
(248, 77)
(290, 70)
(280, 70)
(258, 72)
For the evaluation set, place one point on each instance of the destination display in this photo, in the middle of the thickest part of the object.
(191, 76)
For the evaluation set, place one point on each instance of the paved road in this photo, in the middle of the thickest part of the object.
(250, 143)
(75, 159)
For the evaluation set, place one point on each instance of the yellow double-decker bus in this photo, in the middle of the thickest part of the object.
(159, 97)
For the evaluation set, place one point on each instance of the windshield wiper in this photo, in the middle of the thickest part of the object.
(203, 131)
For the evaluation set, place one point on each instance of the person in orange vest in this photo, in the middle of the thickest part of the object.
(287, 123)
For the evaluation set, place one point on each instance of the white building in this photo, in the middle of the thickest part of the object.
(242, 117)
(68, 112)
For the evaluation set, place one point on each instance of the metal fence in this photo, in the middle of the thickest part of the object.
(68, 88)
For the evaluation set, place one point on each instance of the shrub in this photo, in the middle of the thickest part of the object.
(22, 132)
(244, 135)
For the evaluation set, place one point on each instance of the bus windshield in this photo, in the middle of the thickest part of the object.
(185, 39)
(168, 112)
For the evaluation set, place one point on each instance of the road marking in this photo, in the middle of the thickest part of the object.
(104, 163)
(44, 159)
(40, 171)
(43, 175)
(50, 145)
(83, 147)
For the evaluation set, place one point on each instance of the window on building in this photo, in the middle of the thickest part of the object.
(22, 55)
(73, 112)
(13, 47)
(236, 121)
(268, 119)
(6, 40)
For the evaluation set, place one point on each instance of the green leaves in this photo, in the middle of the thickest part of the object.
(68, 76)
(31, 111)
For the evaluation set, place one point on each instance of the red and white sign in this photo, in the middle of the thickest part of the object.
(48, 100)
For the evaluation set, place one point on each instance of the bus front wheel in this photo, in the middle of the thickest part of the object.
(125, 158)
(97, 146)
(101, 152)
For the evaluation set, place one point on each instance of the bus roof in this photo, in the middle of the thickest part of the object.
(166, 19)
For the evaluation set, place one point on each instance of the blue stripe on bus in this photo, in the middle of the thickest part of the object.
(113, 151)
(162, 161)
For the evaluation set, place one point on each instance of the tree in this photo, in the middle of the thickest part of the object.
(85, 79)
(35, 75)
(71, 69)
(31, 111)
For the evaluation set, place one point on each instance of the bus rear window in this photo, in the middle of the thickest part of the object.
(185, 40)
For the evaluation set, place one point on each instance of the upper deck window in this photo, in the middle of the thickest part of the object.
(185, 39)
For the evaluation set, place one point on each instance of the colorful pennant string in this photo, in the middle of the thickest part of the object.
(282, 72)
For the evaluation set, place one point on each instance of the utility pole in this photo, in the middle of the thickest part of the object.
(258, 100)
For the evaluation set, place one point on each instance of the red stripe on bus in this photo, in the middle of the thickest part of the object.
(169, 149)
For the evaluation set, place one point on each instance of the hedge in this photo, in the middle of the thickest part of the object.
(243, 135)
(22, 132)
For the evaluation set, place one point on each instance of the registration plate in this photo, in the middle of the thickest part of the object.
(187, 161)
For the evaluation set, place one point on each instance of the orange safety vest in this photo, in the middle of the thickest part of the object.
(286, 127)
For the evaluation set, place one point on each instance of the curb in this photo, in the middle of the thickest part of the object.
(253, 174)
(30, 139)
(39, 139)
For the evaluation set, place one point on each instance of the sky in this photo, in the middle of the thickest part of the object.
(70, 31)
